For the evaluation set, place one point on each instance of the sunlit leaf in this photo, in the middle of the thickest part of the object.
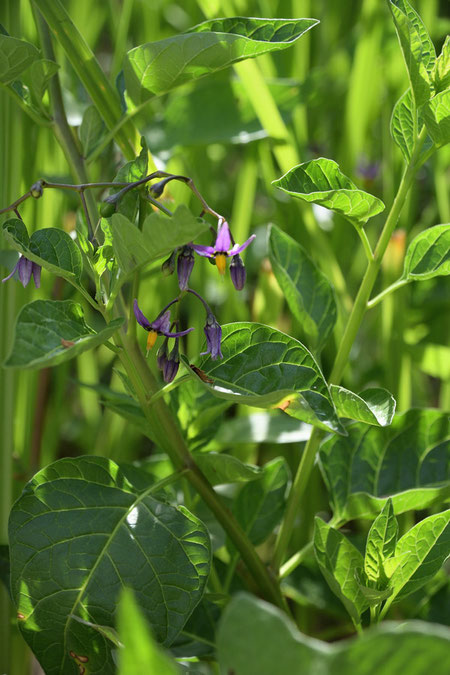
(381, 542)
(428, 254)
(308, 292)
(372, 406)
(322, 182)
(402, 126)
(225, 468)
(15, 56)
(262, 427)
(80, 533)
(417, 47)
(256, 638)
(436, 114)
(441, 71)
(264, 368)
(48, 332)
(407, 461)
(157, 67)
(338, 561)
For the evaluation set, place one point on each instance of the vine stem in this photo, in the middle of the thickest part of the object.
(351, 330)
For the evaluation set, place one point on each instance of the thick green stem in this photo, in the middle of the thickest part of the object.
(359, 308)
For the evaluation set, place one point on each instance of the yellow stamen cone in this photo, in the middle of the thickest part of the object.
(151, 339)
(221, 262)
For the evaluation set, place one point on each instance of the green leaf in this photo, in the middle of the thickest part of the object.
(92, 130)
(48, 332)
(259, 506)
(51, 248)
(256, 638)
(407, 461)
(157, 67)
(372, 406)
(140, 653)
(15, 56)
(441, 72)
(160, 235)
(36, 78)
(338, 560)
(130, 173)
(428, 254)
(436, 114)
(322, 182)
(381, 542)
(373, 596)
(220, 469)
(262, 427)
(265, 368)
(421, 551)
(80, 533)
(402, 126)
(308, 292)
(417, 47)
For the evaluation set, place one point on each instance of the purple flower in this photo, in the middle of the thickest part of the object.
(160, 326)
(172, 364)
(185, 264)
(25, 268)
(222, 248)
(237, 272)
(213, 333)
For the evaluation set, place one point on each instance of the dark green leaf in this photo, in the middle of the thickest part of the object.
(256, 638)
(260, 504)
(420, 554)
(372, 406)
(308, 292)
(156, 67)
(15, 56)
(78, 535)
(428, 254)
(48, 332)
(407, 461)
(140, 653)
(220, 469)
(381, 542)
(338, 561)
(402, 126)
(51, 248)
(265, 368)
(417, 47)
(322, 182)
(436, 114)
(92, 130)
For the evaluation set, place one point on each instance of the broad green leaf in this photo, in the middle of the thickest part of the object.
(338, 560)
(372, 406)
(373, 596)
(428, 254)
(407, 461)
(265, 368)
(441, 73)
(79, 534)
(157, 67)
(381, 542)
(36, 78)
(322, 182)
(308, 292)
(421, 551)
(15, 56)
(436, 114)
(417, 47)
(259, 505)
(198, 636)
(402, 126)
(92, 130)
(51, 248)
(48, 332)
(160, 235)
(140, 653)
(256, 638)
(220, 469)
(262, 427)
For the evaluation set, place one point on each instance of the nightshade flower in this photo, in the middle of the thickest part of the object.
(160, 326)
(185, 264)
(222, 248)
(213, 333)
(172, 364)
(237, 272)
(25, 268)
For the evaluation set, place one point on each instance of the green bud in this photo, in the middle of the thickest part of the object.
(107, 209)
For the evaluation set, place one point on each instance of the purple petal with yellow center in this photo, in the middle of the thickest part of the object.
(205, 251)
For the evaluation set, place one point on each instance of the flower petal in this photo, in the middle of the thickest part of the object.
(10, 276)
(180, 334)
(237, 249)
(205, 251)
(24, 267)
(162, 323)
(36, 270)
(140, 318)
(223, 241)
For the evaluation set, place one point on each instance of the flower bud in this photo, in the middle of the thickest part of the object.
(213, 333)
(161, 354)
(37, 189)
(185, 264)
(168, 266)
(237, 272)
(108, 207)
(172, 364)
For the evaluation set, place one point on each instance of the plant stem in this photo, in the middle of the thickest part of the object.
(366, 243)
(390, 289)
(352, 327)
